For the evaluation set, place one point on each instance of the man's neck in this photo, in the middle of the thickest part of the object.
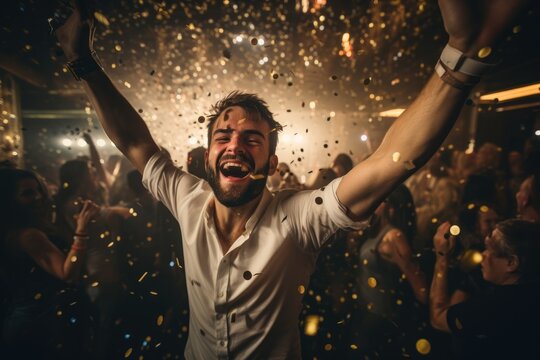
(231, 221)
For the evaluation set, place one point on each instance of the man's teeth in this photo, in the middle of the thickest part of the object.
(242, 167)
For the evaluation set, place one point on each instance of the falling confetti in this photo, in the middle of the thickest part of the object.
(423, 346)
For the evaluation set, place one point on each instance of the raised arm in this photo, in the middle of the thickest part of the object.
(121, 122)
(419, 131)
(102, 174)
(36, 244)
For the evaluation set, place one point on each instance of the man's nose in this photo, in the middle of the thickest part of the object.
(235, 145)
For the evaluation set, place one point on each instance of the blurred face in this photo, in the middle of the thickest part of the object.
(494, 266)
(238, 160)
(522, 196)
(486, 222)
(28, 193)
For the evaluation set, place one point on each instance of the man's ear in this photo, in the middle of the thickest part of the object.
(273, 164)
(512, 264)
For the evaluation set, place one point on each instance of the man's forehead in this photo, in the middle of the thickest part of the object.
(235, 116)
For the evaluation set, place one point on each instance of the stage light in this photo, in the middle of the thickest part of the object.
(511, 94)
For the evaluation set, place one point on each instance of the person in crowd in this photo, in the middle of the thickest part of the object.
(37, 316)
(436, 195)
(195, 162)
(391, 284)
(516, 171)
(501, 322)
(342, 164)
(246, 251)
(283, 179)
(528, 198)
(102, 280)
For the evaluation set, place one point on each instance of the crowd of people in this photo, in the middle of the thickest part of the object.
(87, 276)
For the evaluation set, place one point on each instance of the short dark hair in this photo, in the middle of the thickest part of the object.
(255, 107)
(521, 238)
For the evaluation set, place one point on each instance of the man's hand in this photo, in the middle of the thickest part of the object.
(473, 25)
(443, 241)
(76, 34)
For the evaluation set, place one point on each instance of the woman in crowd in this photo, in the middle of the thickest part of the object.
(35, 271)
(390, 281)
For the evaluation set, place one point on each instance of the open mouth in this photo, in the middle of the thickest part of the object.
(234, 169)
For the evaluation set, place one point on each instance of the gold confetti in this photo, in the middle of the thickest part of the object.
(128, 353)
(159, 320)
(423, 346)
(37, 296)
(73, 259)
(484, 52)
(143, 276)
(470, 206)
(516, 29)
(354, 346)
(459, 325)
(153, 293)
(95, 284)
(484, 208)
(396, 156)
(455, 230)
(477, 257)
(256, 176)
(372, 282)
(301, 289)
(101, 18)
(328, 347)
(312, 325)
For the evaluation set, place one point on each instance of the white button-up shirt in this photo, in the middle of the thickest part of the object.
(245, 304)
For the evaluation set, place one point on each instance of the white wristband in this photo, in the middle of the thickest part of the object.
(455, 60)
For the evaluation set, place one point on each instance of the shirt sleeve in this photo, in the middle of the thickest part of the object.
(316, 215)
(167, 183)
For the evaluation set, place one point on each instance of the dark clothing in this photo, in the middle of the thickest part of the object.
(42, 316)
(499, 323)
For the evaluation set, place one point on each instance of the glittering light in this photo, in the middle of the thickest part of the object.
(67, 142)
(363, 137)
(455, 230)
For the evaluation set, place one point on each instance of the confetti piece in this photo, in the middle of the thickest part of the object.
(301, 289)
(153, 293)
(73, 259)
(247, 275)
(101, 18)
(318, 200)
(256, 176)
(423, 346)
(38, 296)
(484, 52)
(396, 156)
(128, 353)
(372, 282)
(159, 320)
(311, 326)
(455, 230)
(143, 276)
(95, 284)
(201, 119)
(484, 208)
(459, 325)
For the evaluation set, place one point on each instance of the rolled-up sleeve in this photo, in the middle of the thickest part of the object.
(316, 215)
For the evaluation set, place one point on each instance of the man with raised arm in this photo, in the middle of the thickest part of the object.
(249, 254)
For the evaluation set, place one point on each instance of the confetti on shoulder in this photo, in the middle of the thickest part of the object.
(256, 176)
